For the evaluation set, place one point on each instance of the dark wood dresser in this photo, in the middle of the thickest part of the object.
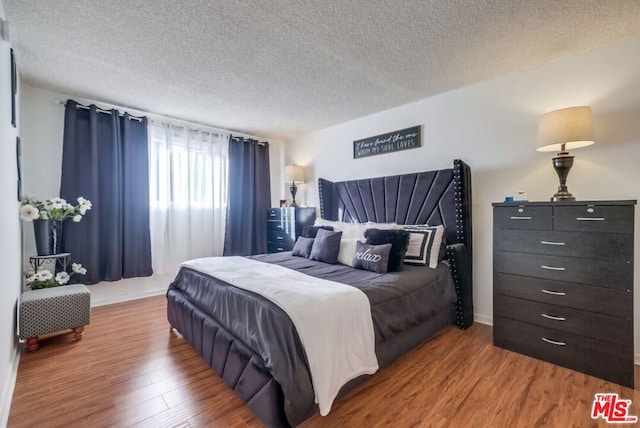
(284, 225)
(563, 284)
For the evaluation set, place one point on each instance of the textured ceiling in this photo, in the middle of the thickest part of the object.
(280, 68)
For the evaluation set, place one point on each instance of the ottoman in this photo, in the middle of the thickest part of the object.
(53, 309)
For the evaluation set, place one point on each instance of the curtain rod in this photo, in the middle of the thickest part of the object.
(159, 116)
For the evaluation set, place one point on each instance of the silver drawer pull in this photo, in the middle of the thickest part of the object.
(552, 268)
(590, 218)
(272, 214)
(553, 342)
(551, 317)
(279, 238)
(519, 218)
(554, 293)
(551, 243)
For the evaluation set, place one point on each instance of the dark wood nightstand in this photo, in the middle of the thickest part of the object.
(284, 225)
(563, 284)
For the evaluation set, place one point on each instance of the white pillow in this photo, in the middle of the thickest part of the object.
(349, 230)
(347, 251)
(424, 245)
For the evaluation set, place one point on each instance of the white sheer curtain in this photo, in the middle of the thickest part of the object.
(188, 172)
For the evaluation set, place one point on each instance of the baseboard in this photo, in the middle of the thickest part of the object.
(483, 319)
(7, 393)
(126, 297)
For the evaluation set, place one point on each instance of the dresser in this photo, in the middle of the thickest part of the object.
(284, 225)
(563, 284)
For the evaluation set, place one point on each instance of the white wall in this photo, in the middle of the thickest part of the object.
(10, 236)
(492, 127)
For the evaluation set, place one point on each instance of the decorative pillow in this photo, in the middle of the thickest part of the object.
(399, 240)
(312, 231)
(302, 248)
(374, 258)
(347, 251)
(424, 245)
(326, 246)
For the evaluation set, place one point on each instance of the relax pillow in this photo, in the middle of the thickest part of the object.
(374, 258)
(347, 251)
(425, 244)
(302, 248)
(399, 240)
(326, 246)
(312, 231)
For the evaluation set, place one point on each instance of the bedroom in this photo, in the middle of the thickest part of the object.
(489, 121)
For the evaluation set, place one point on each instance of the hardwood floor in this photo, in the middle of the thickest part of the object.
(129, 370)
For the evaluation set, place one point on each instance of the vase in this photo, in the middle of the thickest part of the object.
(48, 235)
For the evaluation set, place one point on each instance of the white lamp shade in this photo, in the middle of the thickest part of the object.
(572, 126)
(294, 173)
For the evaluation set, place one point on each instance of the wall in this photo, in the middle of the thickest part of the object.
(492, 127)
(10, 230)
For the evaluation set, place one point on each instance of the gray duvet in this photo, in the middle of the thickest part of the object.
(399, 301)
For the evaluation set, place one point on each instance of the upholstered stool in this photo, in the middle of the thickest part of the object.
(54, 309)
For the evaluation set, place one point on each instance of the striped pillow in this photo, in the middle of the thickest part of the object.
(424, 245)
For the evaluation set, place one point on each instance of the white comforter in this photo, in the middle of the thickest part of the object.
(333, 320)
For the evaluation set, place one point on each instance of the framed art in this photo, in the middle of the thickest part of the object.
(19, 168)
(14, 88)
(403, 139)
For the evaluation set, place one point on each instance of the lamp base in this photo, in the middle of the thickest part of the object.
(562, 164)
(293, 189)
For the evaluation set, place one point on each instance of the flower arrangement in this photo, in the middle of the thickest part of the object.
(43, 278)
(53, 209)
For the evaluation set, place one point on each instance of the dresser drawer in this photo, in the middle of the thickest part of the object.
(280, 238)
(274, 247)
(523, 217)
(584, 323)
(602, 273)
(280, 213)
(613, 246)
(579, 296)
(609, 361)
(283, 225)
(594, 218)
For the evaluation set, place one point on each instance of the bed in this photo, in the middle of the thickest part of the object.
(253, 345)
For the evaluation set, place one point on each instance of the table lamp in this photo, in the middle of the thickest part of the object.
(292, 174)
(563, 130)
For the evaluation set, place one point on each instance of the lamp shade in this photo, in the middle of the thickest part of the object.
(571, 126)
(294, 173)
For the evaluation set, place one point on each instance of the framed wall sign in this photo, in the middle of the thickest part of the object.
(396, 141)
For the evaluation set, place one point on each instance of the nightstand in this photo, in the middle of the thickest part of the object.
(284, 225)
(563, 284)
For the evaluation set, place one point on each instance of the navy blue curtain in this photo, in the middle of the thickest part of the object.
(249, 197)
(105, 160)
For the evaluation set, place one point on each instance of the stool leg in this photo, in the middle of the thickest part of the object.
(79, 332)
(32, 344)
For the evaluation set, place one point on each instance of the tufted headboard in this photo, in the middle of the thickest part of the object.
(432, 197)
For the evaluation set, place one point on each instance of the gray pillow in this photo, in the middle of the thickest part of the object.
(326, 246)
(302, 248)
(374, 258)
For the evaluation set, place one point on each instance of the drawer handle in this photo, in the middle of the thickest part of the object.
(279, 238)
(590, 218)
(551, 243)
(554, 293)
(272, 214)
(551, 317)
(280, 249)
(552, 268)
(519, 218)
(554, 342)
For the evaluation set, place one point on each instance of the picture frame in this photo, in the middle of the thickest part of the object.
(19, 168)
(14, 88)
(283, 203)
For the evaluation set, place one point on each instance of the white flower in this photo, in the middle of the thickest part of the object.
(85, 205)
(77, 218)
(77, 268)
(31, 278)
(62, 278)
(44, 215)
(43, 275)
(29, 212)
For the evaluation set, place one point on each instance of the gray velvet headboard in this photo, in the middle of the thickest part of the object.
(432, 197)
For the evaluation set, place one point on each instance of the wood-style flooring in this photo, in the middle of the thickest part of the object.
(129, 370)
